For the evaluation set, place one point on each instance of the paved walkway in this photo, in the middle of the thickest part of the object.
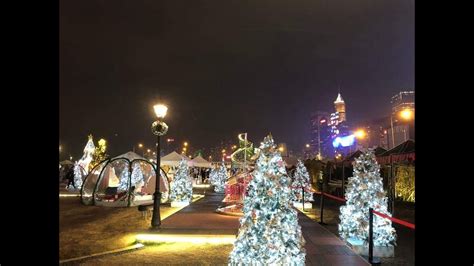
(322, 247)
(200, 217)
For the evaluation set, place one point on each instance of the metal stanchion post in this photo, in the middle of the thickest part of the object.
(372, 260)
(321, 205)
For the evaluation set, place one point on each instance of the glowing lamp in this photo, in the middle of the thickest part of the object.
(360, 134)
(160, 110)
(406, 114)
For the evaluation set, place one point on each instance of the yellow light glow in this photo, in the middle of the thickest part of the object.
(148, 150)
(360, 134)
(160, 110)
(184, 149)
(281, 149)
(185, 144)
(406, 114)
(179, 204)
(62, 195)
(307, 145)
(102, 142)
(201, 185)
(223, 151)
(185, 238)
(140, 145)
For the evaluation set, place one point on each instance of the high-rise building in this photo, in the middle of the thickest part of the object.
(340, 107)
(403, 100)
(320, 135)
(403, 129)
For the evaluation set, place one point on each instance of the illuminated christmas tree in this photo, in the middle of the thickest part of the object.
(124, 177)
(99, 153)
(364, 191)
(218, 177)
(300, 182)
(82, 167)
(269, 233)
(182, 186)
(137, 174)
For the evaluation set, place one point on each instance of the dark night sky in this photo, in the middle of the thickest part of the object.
(225, 67)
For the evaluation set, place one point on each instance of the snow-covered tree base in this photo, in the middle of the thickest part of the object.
(378, 251)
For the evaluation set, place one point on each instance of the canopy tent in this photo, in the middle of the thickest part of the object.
(125, 180)
(66, 162)
(173, 159)
(401, 153)
(200, 162)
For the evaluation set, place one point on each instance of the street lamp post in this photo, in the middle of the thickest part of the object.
(159, 128)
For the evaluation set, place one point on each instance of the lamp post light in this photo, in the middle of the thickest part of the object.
(407, 115)
(159, 128)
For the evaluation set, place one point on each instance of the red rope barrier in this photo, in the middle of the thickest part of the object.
(334, 197)
(398, 221)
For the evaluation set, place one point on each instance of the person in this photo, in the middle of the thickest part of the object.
(70, 178)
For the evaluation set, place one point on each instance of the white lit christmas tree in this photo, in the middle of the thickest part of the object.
(182, 186)
(137, 174)
(81, 167)
(124, 177)
(364, 191)
(269, 233)
(300, 182)
(218, 177)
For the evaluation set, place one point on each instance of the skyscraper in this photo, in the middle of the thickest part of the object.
(320, 134)
(340, 107)
(403, 129)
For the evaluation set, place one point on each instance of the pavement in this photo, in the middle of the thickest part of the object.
(322, 246)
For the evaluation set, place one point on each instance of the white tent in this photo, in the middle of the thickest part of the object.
(200, 162)
(173, 159)
(66, 162)
(131, 156)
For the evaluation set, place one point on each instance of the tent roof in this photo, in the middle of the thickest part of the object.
(130, 156)
(201, 162)
(173, 159)
(65, 162)
(403, 148)
(379, 150)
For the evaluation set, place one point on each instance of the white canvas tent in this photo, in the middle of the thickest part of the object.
(173, 159)
(200, 162)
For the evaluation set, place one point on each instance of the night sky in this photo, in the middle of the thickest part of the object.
(225, 67)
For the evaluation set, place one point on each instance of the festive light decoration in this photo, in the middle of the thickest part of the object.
(269, 233)
(218, 177)
(99, 153)
(364, 191)
(124, 176)
(300, 182)
(137, 175)
(182, 186)
(81, 167)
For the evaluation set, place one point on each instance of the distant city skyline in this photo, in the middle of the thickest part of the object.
(221, 73)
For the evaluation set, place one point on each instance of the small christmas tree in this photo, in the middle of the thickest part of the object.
(182, 186)
(300, 182)
(137, 174)
(124, 177)
(269, 232)
(364, 191)
(218, 177)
